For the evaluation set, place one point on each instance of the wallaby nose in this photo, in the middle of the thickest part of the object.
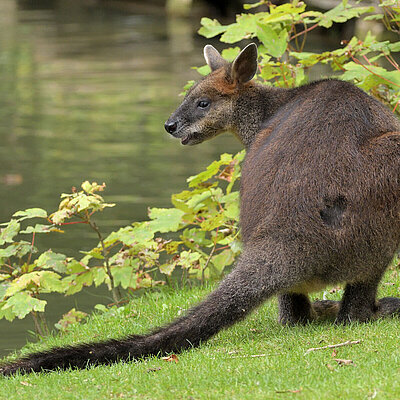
(170, 127)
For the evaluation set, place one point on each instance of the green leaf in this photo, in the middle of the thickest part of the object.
(99, 275)
(395, 47)
(6, 313)
(90, 188)
(220, 261)
(75, 283)
(50, 282)
(165, 219)
(101, 307)
(39, 228)
(74, 266)
(4, 286)
(84, 202)
(124, 276)
(234, 33)
(204, 70)
(60, 216)
(87, 187)
(21, 304)
(142, 233)
(254, 5)
(370, 76)
(128, 235)
(43, 281)
(97, 253)
(8, 233)
(285, 13)
(211, 170)
(168, 268)
(231, 53)
(244, 28)
(186, 88)
(17, 249)
(30, 213)
(373, 17)
(212, 223)
(210, 28)
(172, 247)
(73, 316)
(55, 261)
(342, 13)
(275, 44)
(188, 258)
(195, 236)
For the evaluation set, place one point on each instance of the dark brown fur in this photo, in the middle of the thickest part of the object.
(320, 205)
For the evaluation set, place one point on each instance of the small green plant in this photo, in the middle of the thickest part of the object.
(24, 277)
(206, 240)
(282, 33)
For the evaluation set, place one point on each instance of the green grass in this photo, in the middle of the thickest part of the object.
(223, 368)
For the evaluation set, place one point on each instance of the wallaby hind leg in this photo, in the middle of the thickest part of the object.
(294, 308)
(358, 302)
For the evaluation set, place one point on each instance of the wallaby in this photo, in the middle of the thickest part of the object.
(320, 205)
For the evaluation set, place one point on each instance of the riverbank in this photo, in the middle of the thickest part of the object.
(255, 359)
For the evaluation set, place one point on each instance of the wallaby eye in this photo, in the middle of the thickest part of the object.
(203, 104)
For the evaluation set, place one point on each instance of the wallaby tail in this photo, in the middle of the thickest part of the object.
(238, 294)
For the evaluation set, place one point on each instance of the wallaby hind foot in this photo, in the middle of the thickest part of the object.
(295, 308)
(358, 302)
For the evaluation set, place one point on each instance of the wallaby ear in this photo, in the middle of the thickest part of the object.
(244, 67)
(213, 59)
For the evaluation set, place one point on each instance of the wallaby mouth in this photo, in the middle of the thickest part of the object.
(185, 139)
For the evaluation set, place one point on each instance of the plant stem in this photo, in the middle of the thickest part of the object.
(371, 72)
(207, 262)
(38, 329)
(115, 290)
(32, 244)
(303, 32)
(41, 327)
(43, 324)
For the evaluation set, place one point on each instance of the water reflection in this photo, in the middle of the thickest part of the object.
(84, 92)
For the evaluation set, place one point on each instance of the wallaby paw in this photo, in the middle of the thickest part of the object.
(291, 321)
(355, 316)
(325, 309)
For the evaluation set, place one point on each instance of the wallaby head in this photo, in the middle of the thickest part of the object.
(210, 105)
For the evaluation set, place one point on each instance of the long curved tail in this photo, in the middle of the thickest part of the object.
(238, 294)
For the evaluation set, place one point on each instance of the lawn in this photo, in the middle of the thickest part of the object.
(255, 359)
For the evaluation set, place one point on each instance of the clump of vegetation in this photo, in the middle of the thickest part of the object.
(203, 222)
(282, 32)
(197, 238)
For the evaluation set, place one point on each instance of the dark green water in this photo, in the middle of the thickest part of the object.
(84, 93)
